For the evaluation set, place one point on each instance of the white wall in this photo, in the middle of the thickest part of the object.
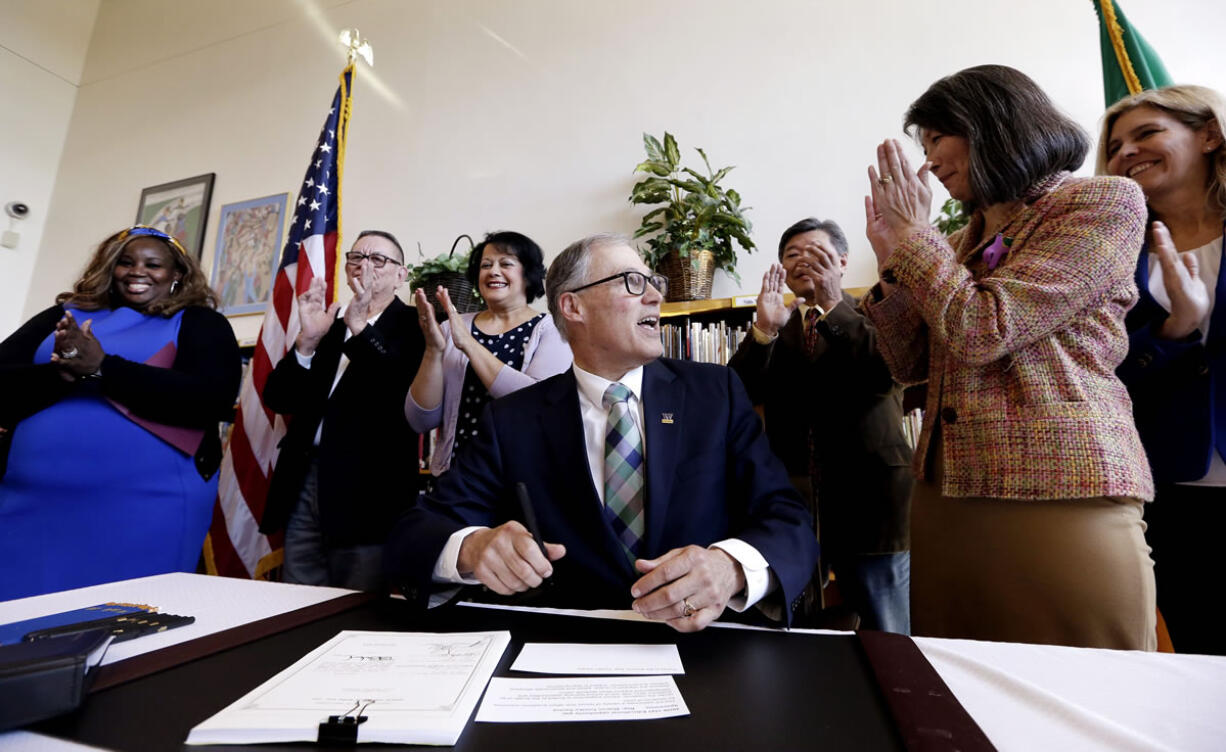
(491, 114)
(42, 52)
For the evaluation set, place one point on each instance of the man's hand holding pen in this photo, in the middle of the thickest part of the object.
(687, 587)
(507, 559)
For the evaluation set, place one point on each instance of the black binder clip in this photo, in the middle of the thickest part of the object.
(342, 730)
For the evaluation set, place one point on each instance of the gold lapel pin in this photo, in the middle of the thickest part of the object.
(666, 418)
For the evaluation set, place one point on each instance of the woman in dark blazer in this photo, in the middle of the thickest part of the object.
(1169, 141)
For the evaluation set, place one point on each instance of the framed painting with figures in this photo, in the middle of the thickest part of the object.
(180, 209)
(248, 241)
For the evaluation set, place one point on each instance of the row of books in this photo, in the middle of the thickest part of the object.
(713, 342)
(911, 423)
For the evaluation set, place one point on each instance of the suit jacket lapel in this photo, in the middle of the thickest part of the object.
(562, 425)
(793, 333)
(389, 318)
(663, 424)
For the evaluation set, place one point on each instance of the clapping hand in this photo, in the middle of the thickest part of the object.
(77, 350)
(436, 341)
(358, 312)
(899, 201)
(688, 588)
(772, 314)
(826, 273)
(314, 316)
(1184, 287)
(460, 334)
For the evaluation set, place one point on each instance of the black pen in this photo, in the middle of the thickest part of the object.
(525, 504)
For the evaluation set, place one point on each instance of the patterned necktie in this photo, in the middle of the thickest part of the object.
(623, 469)
(810, 349)
(811, 331)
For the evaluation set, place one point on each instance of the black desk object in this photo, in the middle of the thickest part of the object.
(746, 690)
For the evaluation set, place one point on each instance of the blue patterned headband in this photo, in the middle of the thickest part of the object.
(139, 230)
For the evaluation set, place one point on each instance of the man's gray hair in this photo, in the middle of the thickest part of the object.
(570, 270)
(809, 225)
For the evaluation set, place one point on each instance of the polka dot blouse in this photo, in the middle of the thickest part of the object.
(507, 347)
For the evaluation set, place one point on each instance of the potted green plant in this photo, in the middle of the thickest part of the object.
(952, 217)
(692, 233)
(446, 270)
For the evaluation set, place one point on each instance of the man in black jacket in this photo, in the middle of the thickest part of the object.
(347, 466)
(834, 416)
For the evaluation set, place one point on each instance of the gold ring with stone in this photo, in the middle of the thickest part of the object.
(687, 609)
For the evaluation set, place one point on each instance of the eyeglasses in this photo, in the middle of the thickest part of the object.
(636, 282)
(139, 230)
(377, 260)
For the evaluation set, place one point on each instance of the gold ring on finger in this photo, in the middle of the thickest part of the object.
(687, 608)
(885, 180)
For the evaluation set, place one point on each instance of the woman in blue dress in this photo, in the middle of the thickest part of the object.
(109, 403)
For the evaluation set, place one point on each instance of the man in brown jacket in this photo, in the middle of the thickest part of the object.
(834, 416)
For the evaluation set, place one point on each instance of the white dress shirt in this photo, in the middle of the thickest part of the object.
(305, 362)
(759, 580)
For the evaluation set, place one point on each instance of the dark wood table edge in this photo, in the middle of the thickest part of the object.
(139, 666)
(926, 712)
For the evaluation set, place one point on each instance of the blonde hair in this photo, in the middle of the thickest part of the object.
(1196, 107)
(95, 289)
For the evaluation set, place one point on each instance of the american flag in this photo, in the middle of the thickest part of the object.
(234, 546)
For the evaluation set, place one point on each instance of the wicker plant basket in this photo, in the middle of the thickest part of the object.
(456, 284)
(689, 279)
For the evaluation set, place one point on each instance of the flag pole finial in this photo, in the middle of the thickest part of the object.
(356, 46)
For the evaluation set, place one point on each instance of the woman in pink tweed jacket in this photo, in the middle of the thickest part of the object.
(1030, 477)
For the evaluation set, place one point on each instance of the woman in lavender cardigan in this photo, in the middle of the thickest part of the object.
(471, 359)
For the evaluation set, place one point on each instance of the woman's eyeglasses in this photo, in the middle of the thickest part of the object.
(636, 282)
(377, 260)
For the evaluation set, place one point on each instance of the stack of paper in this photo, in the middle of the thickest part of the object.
(412, 688)
(649, 693)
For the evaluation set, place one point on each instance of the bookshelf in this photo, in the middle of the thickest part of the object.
(736, 302)
(709, 331)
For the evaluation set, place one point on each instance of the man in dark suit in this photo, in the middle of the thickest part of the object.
(834, 415)
(651, 479)
(347, 466)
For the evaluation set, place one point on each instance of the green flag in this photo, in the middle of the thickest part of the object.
(1129, 63)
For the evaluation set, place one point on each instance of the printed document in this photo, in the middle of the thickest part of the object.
(412, 687)
(612, 698)
(583, 658)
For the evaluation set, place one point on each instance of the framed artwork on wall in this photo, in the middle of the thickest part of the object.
(249, 238)
(179, 209)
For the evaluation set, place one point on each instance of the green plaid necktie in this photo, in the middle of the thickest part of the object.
(623, 469)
